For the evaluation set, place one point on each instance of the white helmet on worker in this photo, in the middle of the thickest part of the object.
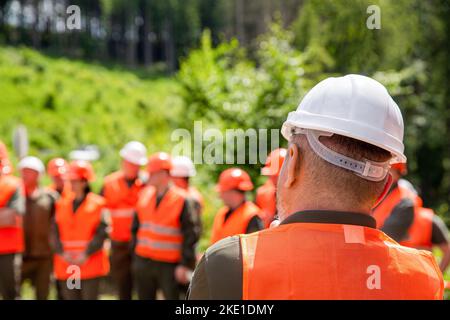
(353, 106)
(32, 163)
(134, 152)
(182, 167)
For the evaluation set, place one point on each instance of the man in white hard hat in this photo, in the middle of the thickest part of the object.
(121, 191)
(348, 131)
(12, 208)
(39, 212)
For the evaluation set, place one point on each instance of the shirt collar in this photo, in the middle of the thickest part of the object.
(331, 217)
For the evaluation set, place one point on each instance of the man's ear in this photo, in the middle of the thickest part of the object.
(291, 168)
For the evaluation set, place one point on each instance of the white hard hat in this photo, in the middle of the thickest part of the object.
(134, 152)
(354, 106)
(32, 163)
(182, 167)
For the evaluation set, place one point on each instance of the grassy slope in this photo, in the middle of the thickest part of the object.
(66, 104)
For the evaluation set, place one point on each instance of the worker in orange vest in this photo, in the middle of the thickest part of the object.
(57, 170)
(39, 211)
(165, 234)
(342, 138)
(239, 215)
(266, 194)
(121, 190)
(81, 259)
(401, 216)
(12, 208)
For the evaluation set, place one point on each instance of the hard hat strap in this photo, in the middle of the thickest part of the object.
(367, 169)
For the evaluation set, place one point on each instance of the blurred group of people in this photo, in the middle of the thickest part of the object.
(144, 226)
(142, 229)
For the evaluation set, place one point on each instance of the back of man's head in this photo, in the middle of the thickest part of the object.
(343, 137)
(339, 184)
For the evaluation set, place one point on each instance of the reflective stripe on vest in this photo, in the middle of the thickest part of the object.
(332, 261)
(76, 230)
(159, 236)
(236, 223)
(121, 213)
(163, 230)
(11, 238)
(121, 203)
(159, 245)
(74, 245)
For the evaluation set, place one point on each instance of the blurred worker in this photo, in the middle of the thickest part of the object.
(57, 170)
(80, 260)
(121, 190)
(401, 216)
(40, 208)
(266, 194)
(182, 170)
(239, 215)
(165, 234)
(342, 139)
(12, 208)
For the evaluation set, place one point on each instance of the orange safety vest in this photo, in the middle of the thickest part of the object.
(266, 200)
(236, 223)
(419, 233)
(76, 230)
(334, 261)
(121, 203)
(384, 209)
(159, 236)
(11, 238)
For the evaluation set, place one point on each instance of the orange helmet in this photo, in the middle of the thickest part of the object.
(81, 170)
(159, 161)
(234, 178)
(57, 167)
(274, 162)
(401, 167)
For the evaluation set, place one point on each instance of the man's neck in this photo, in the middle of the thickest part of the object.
(161, 190)
(234, 207)
(29, 190)
(310, 200)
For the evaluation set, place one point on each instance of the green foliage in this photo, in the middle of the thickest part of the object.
(67, 104)
(226, 89)
(409, 54)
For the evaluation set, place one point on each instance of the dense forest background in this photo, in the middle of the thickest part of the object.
(161, 64)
